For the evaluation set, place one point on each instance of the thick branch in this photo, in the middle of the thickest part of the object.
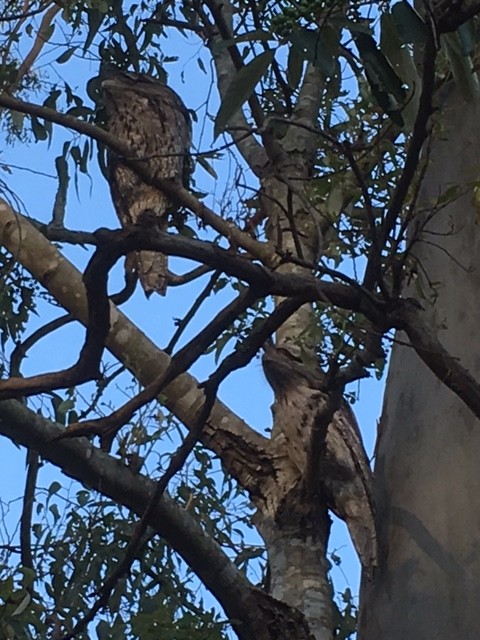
(306, 112)
(446, 367)
(451, 15)
(228, 61)
(242, 450)
(260, 614)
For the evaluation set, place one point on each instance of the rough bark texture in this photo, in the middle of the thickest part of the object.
(427, 469)
(254, 613)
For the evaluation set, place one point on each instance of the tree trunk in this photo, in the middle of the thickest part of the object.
(427, 472)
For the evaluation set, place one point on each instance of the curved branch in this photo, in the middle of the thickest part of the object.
(108, 426)
(262, 617)
(241, 448)
(98, 325)
(39, 43)
(174, 191)
(441, 363)
(21, 348)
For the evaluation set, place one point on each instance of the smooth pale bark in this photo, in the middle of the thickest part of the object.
(428, 458)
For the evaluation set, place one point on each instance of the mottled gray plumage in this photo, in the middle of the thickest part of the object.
(345, 478)
(155, 123)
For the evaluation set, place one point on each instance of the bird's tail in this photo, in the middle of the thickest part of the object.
(152, 269)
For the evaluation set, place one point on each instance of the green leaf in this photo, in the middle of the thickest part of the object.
(66, 55)
(38, 129)
(51, 100)
(17, 120)
(53, 508)
(23, 605)
(220, 345)
(377, 65)
(103, 630)
(94, 19)
(401, 59)
(83, 497)
(76, 154)
(48, 33)
(335, 201)
(386, 86)
(411, 28)
(317, 46)
(37, 530)
(294, 67)
(201, 65)
(54, 488)
(241, 88)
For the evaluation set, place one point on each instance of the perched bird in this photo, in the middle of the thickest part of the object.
(155, 123)
(344, 475)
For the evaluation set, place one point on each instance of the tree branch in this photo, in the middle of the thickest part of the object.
(373, 273)
(443, 365)
(37, 47)
(239, 446)
(262, 617)
(108, 426)
(451, 15)
(176, 192)
(227, 62)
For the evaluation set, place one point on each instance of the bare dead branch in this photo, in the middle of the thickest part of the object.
(176, 280)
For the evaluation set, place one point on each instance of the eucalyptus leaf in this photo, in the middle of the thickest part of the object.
(241, 88)
(411, 28)
(400, 57)
(316, 46)
(66, 55)
(294, 67)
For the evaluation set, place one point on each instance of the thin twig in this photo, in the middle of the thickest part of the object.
(183, 323)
